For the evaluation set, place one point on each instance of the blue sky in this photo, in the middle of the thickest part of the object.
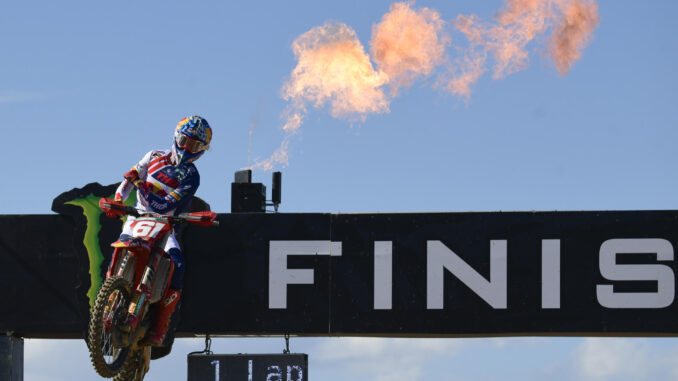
(86, 88)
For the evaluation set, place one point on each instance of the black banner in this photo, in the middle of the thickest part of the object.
(428, 274)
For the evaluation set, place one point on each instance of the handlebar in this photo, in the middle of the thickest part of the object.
(200, 218)
(114, 208)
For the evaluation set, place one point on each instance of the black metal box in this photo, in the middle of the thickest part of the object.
(248, 197)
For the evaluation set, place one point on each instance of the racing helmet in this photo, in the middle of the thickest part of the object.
(191, 139)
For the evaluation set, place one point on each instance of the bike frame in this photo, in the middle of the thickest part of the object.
(138, 275)
(142, 262)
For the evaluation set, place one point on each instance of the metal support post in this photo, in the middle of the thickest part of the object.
(11, 357)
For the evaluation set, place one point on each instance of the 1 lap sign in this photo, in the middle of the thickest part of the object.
(247, 367)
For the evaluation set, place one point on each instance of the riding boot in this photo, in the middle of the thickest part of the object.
(161, 318)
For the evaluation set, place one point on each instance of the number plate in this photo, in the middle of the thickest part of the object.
(148, 228)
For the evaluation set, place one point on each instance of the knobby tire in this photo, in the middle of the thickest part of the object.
(133, 369)
(99, 341)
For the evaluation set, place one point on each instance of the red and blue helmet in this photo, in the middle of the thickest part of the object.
(191, 139)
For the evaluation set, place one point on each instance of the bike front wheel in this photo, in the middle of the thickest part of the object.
(110, 310)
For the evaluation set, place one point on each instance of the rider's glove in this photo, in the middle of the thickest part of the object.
(132, 175)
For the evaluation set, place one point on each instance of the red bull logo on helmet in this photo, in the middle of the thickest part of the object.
(196, 127)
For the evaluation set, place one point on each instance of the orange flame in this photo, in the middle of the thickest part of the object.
(333, 68)
(407, 44)
(518, 24)
(280, 156)
(469, 69)
(573, 33)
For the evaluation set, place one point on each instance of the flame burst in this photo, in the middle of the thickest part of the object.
(573, 33)
(334, 70)
(408, 44)
(517, 24)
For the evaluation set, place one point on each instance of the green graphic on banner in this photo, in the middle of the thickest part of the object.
(91, 211)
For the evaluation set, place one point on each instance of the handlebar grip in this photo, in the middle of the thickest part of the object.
(132, 211)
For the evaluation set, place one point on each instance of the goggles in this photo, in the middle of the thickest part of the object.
(189, 144)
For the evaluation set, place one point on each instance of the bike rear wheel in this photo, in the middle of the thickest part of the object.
(110, 309)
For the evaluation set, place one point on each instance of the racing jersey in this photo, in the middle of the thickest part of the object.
(161, 186)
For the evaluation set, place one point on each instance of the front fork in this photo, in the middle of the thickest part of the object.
(137, 307)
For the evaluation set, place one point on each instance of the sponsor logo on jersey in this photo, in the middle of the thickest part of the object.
(165, 179)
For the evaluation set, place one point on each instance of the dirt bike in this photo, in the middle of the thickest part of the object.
(138, 276)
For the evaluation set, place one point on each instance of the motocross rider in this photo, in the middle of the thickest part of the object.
(166, 180)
